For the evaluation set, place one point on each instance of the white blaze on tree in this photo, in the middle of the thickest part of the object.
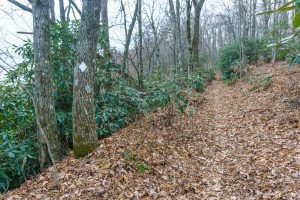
(84, 119)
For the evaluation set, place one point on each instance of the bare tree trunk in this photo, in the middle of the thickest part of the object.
(175, 36)
(140, 54)
(178, 30)
(128, 37)
(243, 35)
(196, 39)
(275, 21)
(62, 10)
(266, 18)
(156, 49)
(105, 27)
(52, 11)
(189, 33)
(285, 20)
(253, 33)
(84, 122)
(157, 43)
(45, 107)
(178, 50)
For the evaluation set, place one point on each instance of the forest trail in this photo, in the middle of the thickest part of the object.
(240, 142)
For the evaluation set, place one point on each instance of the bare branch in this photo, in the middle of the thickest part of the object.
(25, 33)
(22, 6)
(75, 6)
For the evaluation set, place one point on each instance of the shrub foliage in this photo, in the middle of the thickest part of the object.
(230, 57)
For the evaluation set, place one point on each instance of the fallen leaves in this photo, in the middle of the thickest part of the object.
(236, 144)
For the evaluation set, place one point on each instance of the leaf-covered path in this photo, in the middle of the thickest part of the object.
(235, 144)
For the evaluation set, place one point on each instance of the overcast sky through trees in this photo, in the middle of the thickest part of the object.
(13, 20)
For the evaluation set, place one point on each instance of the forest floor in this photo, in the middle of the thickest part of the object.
(239, 142)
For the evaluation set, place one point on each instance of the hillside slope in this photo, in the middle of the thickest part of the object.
(241, 142)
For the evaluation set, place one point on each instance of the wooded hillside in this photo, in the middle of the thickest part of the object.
(194, 100)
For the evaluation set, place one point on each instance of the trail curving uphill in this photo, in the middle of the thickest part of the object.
(235, 144)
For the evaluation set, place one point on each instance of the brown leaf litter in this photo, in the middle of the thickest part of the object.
(237, 144)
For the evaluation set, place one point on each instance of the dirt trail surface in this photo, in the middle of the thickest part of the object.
(240, 142)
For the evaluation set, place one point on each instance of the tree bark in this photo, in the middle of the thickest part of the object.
(45, 111)
(105, 27)
(128, 37)
(275, 21)
(52, 11)
(253, 33)
(266, 18)
(140, 54)
(178, 49)
(62, 10)
(175, 36)
(196, 39)
(84, 120)
(178, 30)
(189, 34)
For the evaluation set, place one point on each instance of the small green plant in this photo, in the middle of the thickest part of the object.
(261, 83)
(136, 162)
(143, 168)
(267, 81)
(231, 81)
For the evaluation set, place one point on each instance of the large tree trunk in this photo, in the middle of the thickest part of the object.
(84, 122)
(196, 39)
(105, 27)
(45, 108)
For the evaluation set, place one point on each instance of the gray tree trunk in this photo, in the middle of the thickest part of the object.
(275, 21)
(266, 18)
(140, 54)
(62, 10)
(52, 11)
(175, 36)
(196, 38)
(253, 33)
(189, 33)
(178, 30)
(128, 36)
(105, 27)
(178, 50)
(45, 107)
(84, 120)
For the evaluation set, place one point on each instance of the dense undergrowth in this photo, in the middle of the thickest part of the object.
(230, 62)
(117, 100)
